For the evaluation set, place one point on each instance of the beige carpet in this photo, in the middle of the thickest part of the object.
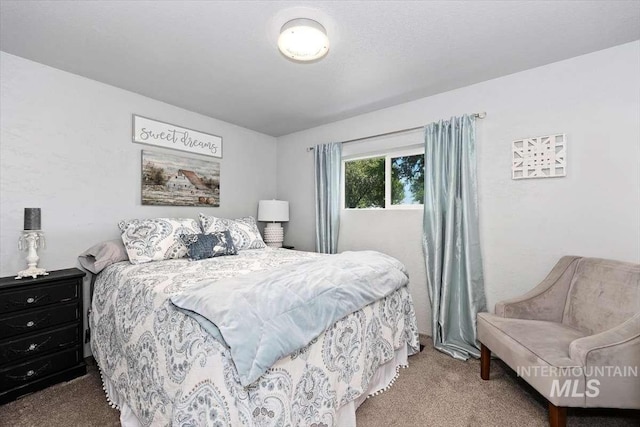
(435, 390)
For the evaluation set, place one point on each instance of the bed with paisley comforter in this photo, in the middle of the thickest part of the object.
(161, 367)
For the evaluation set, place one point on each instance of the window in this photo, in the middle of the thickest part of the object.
(407, 180)
(393, 180)
(364, 185)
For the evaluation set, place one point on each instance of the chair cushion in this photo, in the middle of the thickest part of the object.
(549, 341)
(602, 295)
(532, 348)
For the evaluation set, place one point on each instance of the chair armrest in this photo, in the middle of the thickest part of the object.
(618, 346)
(547, 300)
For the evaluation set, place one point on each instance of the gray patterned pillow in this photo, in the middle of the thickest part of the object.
(156, 239)
(202, 246)
(244, 231)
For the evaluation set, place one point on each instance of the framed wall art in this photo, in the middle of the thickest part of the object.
(169, 180)
(166, 135)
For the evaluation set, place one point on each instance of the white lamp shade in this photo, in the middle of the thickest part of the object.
(273, 210)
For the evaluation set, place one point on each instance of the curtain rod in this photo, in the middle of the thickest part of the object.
(481, 115)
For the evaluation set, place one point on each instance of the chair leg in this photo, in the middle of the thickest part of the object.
(485, 362)
(557, 415)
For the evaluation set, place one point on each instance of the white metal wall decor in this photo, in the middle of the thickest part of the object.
(161, 134)
(539, 157)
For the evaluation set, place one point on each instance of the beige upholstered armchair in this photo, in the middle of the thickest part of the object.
(575, 337)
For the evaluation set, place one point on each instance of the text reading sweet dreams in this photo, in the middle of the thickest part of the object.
(175, 136)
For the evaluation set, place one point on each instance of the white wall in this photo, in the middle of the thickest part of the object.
(66, 147)
(525, 225)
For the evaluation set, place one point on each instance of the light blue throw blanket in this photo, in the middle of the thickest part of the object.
(265, 316)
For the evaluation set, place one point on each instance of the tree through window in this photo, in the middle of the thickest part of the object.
(393, 180)
(407, 180)
(364, 183)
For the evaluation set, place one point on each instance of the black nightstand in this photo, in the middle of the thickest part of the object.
(40, 332)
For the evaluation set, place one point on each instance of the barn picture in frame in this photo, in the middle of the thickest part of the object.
(169, 180)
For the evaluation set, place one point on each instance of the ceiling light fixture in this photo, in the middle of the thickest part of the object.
(303, 40)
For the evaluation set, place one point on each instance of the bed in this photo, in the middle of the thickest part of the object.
(160, 366)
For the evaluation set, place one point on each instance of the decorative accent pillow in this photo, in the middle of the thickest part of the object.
(244, 231)
(202, 246)
(100, 256)
(156, 239)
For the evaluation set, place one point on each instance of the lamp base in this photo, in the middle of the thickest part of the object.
(32, 272)
(32, 239)
(274, 235)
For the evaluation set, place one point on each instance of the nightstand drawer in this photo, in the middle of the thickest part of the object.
(36, 344)
(37, 319)
(38, 368)
(36, 296)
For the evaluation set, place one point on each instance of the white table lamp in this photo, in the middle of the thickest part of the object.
(274, 212)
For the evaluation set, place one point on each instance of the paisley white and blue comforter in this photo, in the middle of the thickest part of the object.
(170, 371)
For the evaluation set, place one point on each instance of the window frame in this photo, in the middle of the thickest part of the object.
(387, 155)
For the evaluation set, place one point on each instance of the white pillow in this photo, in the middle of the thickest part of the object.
(244, 231)
(156, 239)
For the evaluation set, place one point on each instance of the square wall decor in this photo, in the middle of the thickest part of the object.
(539, 157)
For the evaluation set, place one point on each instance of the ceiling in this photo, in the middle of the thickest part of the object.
(220, 59)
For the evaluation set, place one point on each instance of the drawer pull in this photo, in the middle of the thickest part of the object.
(30, 373)
(32, 347)
(31, 300)
(30, 323)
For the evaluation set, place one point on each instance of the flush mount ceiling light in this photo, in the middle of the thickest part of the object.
(303, 40)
